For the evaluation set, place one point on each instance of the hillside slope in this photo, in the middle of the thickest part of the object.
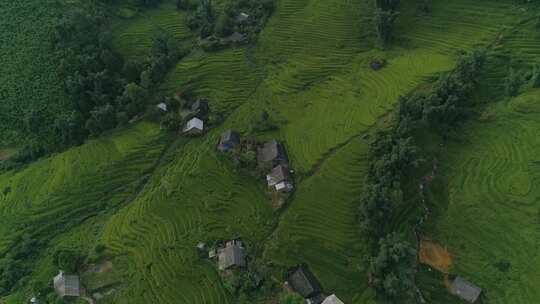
(150, 197)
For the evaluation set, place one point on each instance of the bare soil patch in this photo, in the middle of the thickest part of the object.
(435, 255)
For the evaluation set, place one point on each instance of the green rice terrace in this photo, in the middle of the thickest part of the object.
(270, 151)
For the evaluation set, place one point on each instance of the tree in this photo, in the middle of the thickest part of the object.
(101, 119)
(384, 25)
(513, 83)
(392, 269)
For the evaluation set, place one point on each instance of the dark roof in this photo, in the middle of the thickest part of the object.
(304, 282)
(278, 174)
(272, 151)
(229, 139)
(465, 290)
(200, 105)
(235, 37)
(232, 255)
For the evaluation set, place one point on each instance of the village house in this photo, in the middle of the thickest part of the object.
(272, 154)
(200, 109)
(304, 282)
(67, 285)
(194, 127)
(232, 255)
(229, 140)
(465, 290)
(279, 179)
(332, 299)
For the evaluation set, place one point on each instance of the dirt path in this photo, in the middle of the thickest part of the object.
(435, 255)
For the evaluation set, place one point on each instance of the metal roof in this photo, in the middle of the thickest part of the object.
(465, 290)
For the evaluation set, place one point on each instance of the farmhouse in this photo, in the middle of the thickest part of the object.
(66, 285)
(277, 175)
(229, 140)
(332, 299)
(232, 255)
(272, 154)
(465, 290)
(200, 108)
(194, 127)
(279, 179)
(304, 282)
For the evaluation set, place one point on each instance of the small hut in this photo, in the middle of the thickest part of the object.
(193, 127)
(66, 285)
(304, 282)
(229, 140)
(465, 290)
(332, 299)
(241, 18)
(162, 106)
(232, 255)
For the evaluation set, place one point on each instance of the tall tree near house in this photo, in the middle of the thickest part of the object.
(385, 16)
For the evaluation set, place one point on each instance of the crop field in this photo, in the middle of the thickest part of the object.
(66, 199)
(28, 79)
(489, 215)
(134, 33)
(151, 198)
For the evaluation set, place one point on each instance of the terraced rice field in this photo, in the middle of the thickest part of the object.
(310, 71)
(64, 200)
(320, 229)
(489, 214)
(197, 197)
(134, 35)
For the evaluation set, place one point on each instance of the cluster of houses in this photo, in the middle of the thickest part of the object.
(271, 156)
(304, 282)
(198, 114)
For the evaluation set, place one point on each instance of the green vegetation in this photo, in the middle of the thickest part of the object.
(28, 82)
(142, 198)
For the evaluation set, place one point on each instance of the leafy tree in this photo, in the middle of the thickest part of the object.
(384, 25)
(392, 269)
(513, 83)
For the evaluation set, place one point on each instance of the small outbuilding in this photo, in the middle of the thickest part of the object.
(465, 290)
(195, 126)
(162, 106)
(304, 282)
(242, 18)
(332, 299)
(272, 154)
(229, 140)
(200, 108)
(232, 255)
(67, 285)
